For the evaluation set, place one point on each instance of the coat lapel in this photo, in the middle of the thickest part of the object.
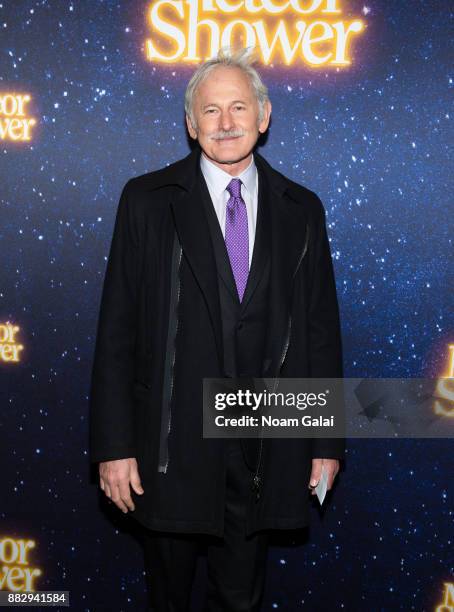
(286, 222)
(288, 226)
(194, 235)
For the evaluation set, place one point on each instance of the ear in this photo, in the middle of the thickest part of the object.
(263, 125)
(191, 130)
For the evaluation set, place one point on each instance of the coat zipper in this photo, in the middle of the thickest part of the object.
(163, 467)
(303, 252)
(257, 480)
(173, 362)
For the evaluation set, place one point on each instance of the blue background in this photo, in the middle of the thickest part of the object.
(372, 141)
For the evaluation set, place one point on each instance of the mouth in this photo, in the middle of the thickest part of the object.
(229, 139)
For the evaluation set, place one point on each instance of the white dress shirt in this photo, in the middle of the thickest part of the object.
(217, 181)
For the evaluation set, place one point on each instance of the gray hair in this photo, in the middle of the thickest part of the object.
(242, 58)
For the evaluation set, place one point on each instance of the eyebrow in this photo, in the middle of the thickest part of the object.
(214, 103)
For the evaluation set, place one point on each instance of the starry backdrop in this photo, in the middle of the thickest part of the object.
(373, 142)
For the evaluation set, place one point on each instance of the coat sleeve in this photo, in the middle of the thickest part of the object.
(325, 346)
(111, 402)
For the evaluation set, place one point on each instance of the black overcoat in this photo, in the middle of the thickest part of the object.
(160, 333)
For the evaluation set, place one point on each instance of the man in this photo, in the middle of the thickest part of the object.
(219, 267)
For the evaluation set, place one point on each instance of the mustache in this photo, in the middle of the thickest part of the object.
(231, 134)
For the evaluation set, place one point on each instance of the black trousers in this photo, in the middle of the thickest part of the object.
(236, 565)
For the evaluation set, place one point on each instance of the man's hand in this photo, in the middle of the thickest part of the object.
(331, 468)
(115, 478)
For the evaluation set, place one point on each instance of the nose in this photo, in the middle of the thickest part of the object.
(226, 121)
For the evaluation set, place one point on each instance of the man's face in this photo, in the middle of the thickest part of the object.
(226, 111)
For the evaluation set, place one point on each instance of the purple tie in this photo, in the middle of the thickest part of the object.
(236, 235)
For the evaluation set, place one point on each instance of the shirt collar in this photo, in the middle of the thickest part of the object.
(218, 179)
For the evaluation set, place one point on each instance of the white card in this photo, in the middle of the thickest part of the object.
(320, 489)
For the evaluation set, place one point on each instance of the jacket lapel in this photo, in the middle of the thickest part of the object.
(260, 253)
(223, 262)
